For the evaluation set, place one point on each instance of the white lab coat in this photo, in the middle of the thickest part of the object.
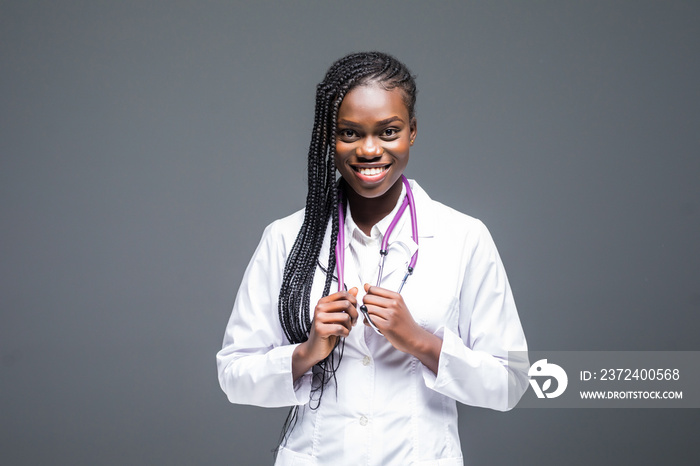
(387, 408)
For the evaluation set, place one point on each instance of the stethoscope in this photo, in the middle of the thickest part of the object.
(408, 201)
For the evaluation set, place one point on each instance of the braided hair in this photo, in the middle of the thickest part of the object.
(294, 305)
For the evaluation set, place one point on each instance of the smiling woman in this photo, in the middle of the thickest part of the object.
(444, 337)
(375, 132)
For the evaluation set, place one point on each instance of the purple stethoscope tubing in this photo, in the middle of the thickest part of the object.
(409, 202)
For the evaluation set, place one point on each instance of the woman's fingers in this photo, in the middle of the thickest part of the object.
(331, 320)
(350, 295)
(380, 316)
(381, 299)
(338, 303)
(379, 291)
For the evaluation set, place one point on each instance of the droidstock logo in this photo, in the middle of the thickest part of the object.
(546, 372)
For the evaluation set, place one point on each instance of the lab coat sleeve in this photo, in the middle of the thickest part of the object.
(255, 362)
(475, 366)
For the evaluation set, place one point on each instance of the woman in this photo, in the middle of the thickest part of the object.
(437, 314)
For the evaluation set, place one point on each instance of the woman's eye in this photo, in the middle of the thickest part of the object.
(347, 133)
(389, 132)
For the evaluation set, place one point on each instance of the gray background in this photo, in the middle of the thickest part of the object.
(145, 144)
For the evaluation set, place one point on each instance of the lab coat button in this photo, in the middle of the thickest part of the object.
(363, 421)
(366, 360)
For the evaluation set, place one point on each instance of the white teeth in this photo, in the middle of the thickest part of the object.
(371, 171)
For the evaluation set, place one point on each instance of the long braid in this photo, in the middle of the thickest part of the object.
(294, 306)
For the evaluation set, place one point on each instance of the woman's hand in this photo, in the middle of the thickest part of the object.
(391, 316)
(334, 317)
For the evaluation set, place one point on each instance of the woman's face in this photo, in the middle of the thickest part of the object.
(373, 139)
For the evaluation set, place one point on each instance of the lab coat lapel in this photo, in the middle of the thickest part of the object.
(424, 211)
(352, 277)
(400, 251)
(323, 257)
(350, 271)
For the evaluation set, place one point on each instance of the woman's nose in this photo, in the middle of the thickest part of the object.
(370, 148)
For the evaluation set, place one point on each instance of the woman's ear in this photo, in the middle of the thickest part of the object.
(414, 129)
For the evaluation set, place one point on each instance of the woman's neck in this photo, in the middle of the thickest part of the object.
(366, 212)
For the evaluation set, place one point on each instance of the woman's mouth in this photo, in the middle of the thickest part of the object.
(371, 171)
(371, 174)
